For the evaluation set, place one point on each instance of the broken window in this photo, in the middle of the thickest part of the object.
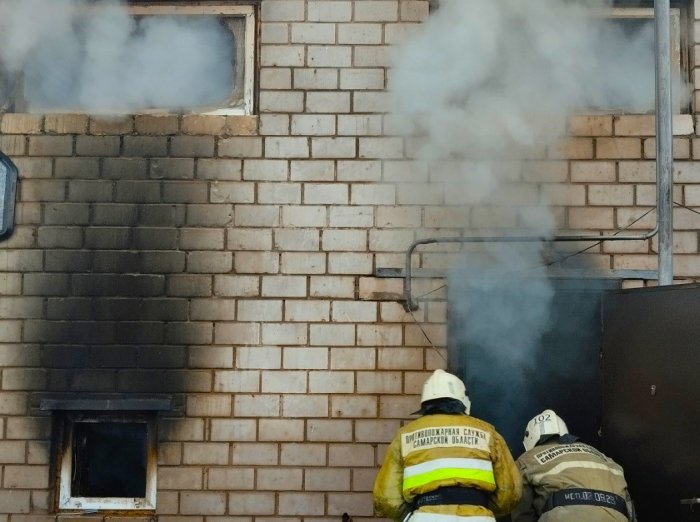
(118, 58)
(107, 462)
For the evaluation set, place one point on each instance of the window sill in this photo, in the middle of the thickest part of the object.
(594, 124)
(148, 124)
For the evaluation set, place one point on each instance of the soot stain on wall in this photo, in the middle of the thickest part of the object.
(111, 327)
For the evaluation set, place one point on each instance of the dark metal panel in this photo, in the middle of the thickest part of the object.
(651, 387)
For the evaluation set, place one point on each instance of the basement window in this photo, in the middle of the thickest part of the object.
(107, 462)
(144, 57)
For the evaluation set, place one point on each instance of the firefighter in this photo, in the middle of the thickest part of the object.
(565, 480)
(446, 463)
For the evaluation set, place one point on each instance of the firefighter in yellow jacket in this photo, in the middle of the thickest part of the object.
(566, 480)
(446, 466)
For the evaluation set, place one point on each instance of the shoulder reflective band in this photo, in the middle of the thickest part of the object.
(581, 464)
(455, 468)
(8, 191)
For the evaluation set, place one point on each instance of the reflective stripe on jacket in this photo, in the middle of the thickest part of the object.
(553, 467)
(447, 450)
(425, 473)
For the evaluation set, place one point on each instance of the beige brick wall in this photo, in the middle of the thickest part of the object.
(229, 261)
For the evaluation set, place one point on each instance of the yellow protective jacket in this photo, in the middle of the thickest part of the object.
(553, 467)
(447, 450)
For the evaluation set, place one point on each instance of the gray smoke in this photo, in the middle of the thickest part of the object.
(82, 55)
(484, 88)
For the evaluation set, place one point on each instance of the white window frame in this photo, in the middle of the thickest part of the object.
(217, 9)
(677, 42)
(68, 502)
(648, 13)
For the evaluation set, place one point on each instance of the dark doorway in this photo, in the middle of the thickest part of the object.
(561, 370)
(651, 413)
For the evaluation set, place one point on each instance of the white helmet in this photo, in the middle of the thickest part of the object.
(443, 385)
(546, 423)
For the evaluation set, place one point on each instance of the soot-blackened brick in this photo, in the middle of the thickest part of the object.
(61, 356)
(162, 215)
(117, 285)
(114, 356)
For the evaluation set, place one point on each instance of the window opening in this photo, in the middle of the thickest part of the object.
(8, 195)
(109, 459)
(625, 31)
(629, 32)
(108, 462)
(154, 58)
(240, 20)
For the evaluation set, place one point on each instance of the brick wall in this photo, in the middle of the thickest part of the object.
(229, 261)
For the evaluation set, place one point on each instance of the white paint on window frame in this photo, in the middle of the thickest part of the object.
(224, 10)
(68, 502)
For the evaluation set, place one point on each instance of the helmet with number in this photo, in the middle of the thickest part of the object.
(542, 425)
(443, 385)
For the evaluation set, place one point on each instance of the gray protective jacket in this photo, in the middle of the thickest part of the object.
(551, 467)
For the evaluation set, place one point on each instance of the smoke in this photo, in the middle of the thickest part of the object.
(94, 56)
(482, 91)
(498, 317)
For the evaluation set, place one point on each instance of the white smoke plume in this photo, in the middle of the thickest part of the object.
(486, 86)
(95, 57)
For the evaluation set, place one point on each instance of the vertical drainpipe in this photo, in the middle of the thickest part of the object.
(664, 140)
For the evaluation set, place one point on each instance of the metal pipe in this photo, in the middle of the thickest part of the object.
(409, 304)
(664, 140)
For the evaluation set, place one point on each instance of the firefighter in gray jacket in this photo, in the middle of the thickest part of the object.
(565, 480)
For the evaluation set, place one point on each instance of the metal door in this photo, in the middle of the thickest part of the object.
(651, 397)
